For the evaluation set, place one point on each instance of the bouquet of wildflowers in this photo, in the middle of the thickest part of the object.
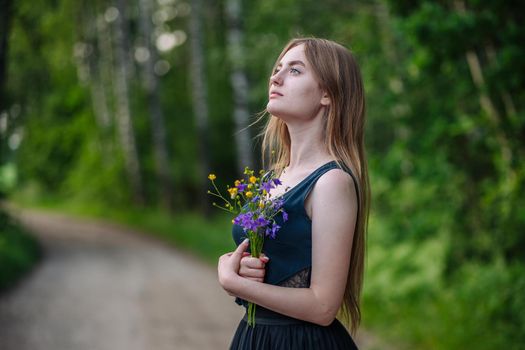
(255, 211)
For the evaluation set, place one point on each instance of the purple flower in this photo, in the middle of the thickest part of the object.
(277, 204)
(251, 221)
(267, 186)
(262, 221)
(261, 218)
(241, 187)
(271, 231)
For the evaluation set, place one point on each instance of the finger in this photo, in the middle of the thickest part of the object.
(237, 254)
(264, 258)
(256, 273)
(253, 263)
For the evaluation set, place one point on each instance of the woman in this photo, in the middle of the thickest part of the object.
(313, 269)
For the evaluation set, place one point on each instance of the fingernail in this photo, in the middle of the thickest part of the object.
(246, 240)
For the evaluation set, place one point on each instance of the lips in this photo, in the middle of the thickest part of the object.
(274, 93)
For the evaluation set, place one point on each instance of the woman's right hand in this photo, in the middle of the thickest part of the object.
(253, 268)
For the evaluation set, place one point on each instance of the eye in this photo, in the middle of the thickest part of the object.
(294, 71)
(276, 70)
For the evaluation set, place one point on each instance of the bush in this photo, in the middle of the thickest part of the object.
(18, 252)
(408, 299)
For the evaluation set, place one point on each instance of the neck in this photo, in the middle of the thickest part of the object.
(307, 147)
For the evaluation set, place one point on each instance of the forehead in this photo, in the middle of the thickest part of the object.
(296, 53)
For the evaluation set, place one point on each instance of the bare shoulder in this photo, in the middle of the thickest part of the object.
(334, 191)
(336, 182)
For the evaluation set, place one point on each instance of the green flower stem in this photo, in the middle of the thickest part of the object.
(218, 194)
(256, 245)
(223, 208)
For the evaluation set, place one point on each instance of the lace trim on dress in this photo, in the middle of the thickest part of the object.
(299, 280)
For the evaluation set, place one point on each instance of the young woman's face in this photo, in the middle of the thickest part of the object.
(294, 92)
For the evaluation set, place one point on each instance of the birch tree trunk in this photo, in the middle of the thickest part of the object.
(243, 141)
(101, 72)
(151, 85)
(124, 121)
(101, 87)
(200, 96)
(91, 61)
(98, 96)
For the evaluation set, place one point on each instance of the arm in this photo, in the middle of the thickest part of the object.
(333, 210)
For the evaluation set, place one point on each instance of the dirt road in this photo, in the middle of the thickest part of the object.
(101, 286)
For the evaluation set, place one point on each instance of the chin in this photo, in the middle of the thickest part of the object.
(276, 113)
(274, 110)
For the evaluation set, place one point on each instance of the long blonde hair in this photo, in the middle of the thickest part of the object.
(339, 76)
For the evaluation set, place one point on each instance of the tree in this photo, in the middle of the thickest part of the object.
(124, 120)
(152, 86)
(239, 83)
(200, 95)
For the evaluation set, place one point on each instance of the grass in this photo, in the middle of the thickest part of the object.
(206, 238)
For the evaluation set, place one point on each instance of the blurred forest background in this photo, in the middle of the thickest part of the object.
(115, 106)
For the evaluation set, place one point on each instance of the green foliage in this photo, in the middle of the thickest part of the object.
(7, 178)
(481, 308)
(18, 252)
(480, 146)
(53, 149)
(107, 187)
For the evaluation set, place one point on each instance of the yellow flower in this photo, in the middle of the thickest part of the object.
(253, 179)
(212, 177)
(233, 192)
(237, 182)
(249, 194)
(261, 204)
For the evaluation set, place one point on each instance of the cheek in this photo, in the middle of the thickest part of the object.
(310, 97)
(309, 90)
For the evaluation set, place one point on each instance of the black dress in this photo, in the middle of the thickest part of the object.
(290, 265)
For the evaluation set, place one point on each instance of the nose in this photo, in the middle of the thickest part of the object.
(276, 79)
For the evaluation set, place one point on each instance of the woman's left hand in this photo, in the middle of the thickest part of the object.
(229, 265)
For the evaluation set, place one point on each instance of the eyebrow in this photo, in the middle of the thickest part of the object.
(291, 63)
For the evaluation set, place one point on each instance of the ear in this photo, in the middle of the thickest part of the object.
(325, 100)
